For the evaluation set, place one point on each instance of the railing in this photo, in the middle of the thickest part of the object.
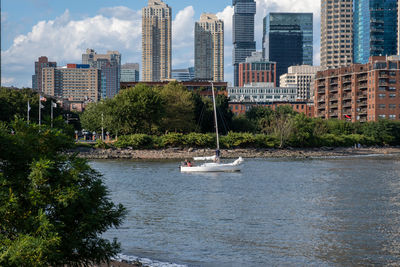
(346, 96)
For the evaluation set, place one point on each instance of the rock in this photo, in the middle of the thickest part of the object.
(190, 150)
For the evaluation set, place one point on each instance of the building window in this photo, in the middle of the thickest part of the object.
(392, 117)
(382, 106)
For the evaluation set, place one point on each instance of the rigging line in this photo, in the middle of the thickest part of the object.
(222, 119)
(201, 117)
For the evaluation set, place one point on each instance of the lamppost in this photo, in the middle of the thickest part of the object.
(84, 134)
(76, 135)
(94, 136)
(108, 136)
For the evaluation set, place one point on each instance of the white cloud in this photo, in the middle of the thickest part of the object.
(121, 12)
(7, 80)
(64, 40)
(226, 16)
(183, 28)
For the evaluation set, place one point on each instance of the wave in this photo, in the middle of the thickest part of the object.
(145, 261)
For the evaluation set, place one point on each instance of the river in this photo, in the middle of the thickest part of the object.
(318, 212)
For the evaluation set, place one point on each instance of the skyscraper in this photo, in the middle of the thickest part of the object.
(110, 66)
(130, 72)
(375, 29)
(43, 62)
(156, 41)
(280, 21)
(243, 33)
(209, 48)
(288, 40)
(336, 33)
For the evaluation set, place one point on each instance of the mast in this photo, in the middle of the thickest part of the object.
(215, 118)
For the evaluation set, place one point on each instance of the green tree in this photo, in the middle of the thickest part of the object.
(179, 109)
(53, 206)
(138, 110)
(281, 124)
(91, 118)
(204, 114)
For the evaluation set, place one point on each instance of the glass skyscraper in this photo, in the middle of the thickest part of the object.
(375, 29)
(288, 40)
(243, 33)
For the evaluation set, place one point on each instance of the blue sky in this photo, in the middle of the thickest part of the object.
(62, 30)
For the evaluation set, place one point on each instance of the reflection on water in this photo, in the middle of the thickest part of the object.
(275, 212)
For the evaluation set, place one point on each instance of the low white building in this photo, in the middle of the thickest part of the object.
(302, 78)
(261, 92)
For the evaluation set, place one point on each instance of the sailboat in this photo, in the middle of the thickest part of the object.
(215, 165)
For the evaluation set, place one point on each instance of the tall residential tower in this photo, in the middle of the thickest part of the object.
(156, 41)
(243, 33)
(209, 48)
(336, 33)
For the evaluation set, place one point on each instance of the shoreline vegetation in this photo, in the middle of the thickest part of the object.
(181, 153)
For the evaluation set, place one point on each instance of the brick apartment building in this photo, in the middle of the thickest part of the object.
(240, 108)
(360, 92)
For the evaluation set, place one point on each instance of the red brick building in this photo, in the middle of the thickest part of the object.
(257, 72)
(240, 108)
(360, 92)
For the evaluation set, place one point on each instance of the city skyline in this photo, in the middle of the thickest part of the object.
(114, 25)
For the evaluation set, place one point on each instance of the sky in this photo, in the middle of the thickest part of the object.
(63, 29)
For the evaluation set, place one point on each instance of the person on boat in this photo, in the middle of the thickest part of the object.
(189, 164)
(217, 155)
(185, 163)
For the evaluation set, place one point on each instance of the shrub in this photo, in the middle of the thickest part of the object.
(199, 140)
(135, 141)
(172, 140)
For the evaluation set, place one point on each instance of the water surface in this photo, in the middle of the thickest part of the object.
(320, 212)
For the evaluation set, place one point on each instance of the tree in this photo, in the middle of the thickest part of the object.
(281, 124)
(179, 111)
(138, 110)
(91, 118)
(53, 206)
(204, 114)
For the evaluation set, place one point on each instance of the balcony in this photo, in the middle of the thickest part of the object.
(363, 77)
(333, 106)
(362, 96)
(333, 98)
(346, 105)
(321, 91)
(362, 104)
(346, 80)
(347, 88)
(362, 112)
(321, 100)
(333, 89)
(346, 97)
(333, 114)
(321, 107)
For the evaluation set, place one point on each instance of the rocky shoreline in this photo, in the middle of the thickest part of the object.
(179, 153)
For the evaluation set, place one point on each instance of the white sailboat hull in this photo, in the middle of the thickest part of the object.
(215, 167)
